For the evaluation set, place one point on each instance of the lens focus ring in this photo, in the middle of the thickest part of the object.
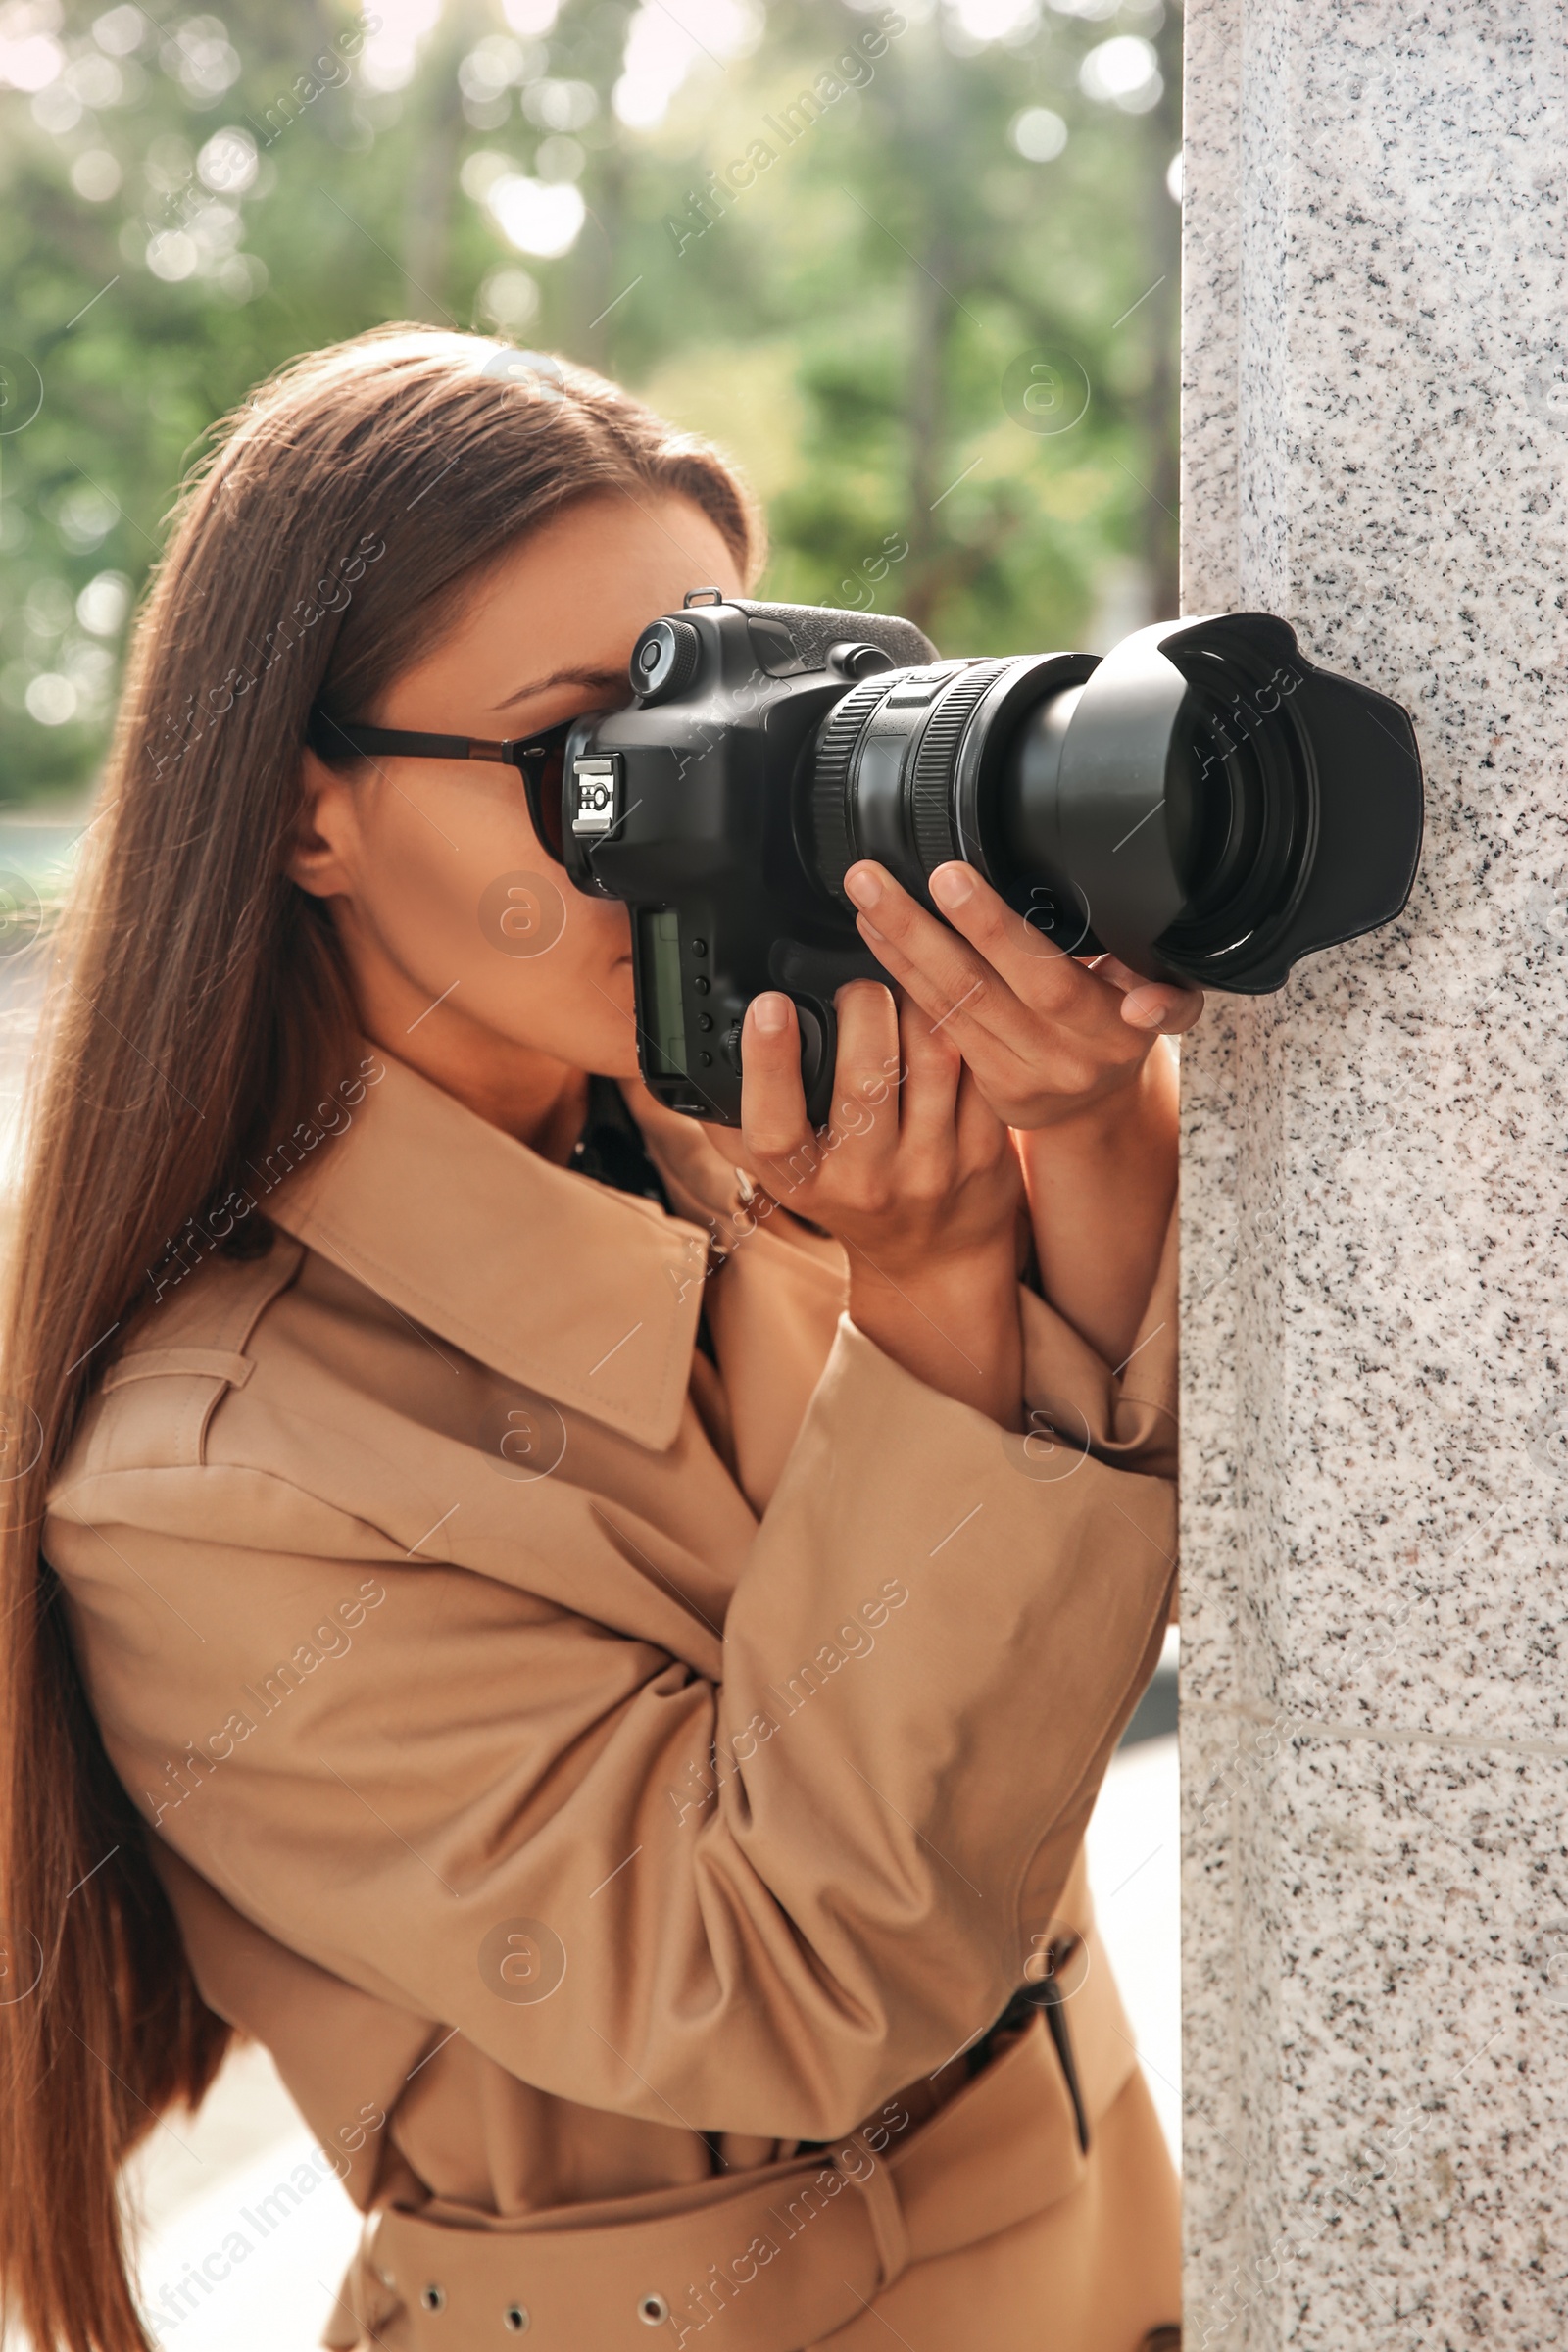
(931, 799)
(831, 838)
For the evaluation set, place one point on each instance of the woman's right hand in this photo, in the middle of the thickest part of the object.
(914, 1173)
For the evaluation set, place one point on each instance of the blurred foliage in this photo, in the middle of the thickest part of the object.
(934, 311)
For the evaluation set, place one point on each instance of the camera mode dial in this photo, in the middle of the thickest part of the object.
(665, 659)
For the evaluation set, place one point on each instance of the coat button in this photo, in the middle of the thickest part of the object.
(515, 2317)
(653, 2311)
(434, 2298)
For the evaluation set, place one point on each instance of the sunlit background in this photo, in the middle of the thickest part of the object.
(941, 316)
(937, 325)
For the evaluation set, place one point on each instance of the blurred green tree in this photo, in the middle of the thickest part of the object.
(915, 266)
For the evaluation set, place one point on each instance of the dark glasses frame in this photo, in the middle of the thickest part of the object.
(540, 760)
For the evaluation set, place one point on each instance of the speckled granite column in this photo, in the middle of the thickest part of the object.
(1375, 1583)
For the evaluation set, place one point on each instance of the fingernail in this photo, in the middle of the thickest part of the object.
(770, 1012)
(863, 885)
(869, 930)
(950, 885)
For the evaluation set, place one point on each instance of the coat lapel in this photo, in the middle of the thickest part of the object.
(581, 1293)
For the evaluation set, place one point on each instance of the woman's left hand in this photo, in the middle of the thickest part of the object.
(1046, 1037)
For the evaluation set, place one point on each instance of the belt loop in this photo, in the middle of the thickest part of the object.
(889, 2231)
(371, 2289)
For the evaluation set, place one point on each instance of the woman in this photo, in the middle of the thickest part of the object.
(560, 1620)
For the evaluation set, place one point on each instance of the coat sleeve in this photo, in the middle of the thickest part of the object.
(754, 1899)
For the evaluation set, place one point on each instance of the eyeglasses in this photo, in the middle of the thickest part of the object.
(540, 760)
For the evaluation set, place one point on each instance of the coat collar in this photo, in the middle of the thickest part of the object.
(581, 1293)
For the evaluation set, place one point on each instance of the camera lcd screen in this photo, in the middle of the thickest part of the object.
(665, 1023)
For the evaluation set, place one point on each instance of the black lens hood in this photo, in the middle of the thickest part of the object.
(1320, 773)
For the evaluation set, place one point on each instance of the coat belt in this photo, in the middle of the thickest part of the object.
(766, 2261)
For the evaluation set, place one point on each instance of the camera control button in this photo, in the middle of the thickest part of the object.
(854, 661)
(702, 983)
(917, 687)
(705, 1020)
(665, 659)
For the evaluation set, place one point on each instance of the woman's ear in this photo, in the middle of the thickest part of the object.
(324, 852)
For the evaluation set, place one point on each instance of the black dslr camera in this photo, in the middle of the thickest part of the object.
(1202, 802)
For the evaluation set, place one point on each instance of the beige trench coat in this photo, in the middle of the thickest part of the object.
(619, 1791)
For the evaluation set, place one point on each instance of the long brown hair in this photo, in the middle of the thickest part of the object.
(197, 1007)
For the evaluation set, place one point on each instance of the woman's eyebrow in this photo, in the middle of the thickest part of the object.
(564, 677)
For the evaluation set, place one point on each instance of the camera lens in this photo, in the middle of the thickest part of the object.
(1240, 808)
(1202, 802)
